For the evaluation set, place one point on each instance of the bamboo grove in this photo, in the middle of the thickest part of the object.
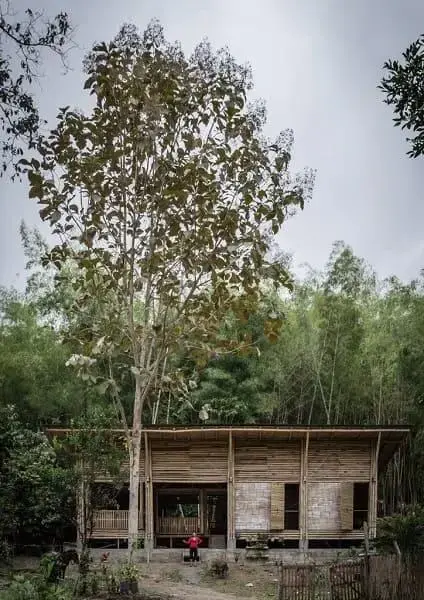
(348, 351)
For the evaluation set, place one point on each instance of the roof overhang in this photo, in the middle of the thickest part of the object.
(389, 439)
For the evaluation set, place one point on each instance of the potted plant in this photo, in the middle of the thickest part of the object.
(128, 579)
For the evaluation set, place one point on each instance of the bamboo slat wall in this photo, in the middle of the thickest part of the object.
(270, 462)
(339, 460)
(182, 462)
(202, 462)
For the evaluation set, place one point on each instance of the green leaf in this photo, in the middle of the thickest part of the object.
(103, 387)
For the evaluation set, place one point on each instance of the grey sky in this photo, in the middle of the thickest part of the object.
(317, 64)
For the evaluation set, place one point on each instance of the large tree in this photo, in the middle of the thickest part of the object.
(164, 196)
(403, 87)
(22, 42)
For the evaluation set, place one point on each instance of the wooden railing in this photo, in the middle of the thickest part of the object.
(117, 520)
(177, 525)
(113, 520)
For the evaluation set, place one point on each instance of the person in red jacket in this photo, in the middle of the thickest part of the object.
(193, 543)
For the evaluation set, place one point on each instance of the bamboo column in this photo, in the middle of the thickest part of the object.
(82, 507)
(203, 511)
(373, 488)
(149, 514)
(141, 525)
(80, 521)
(301, 494)
(231, 532)
(303, 544)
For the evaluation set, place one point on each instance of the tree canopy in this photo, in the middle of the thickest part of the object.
(23, 38)
(403, 88)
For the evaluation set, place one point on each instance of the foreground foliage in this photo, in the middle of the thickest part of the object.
(35, 495)
(35, 588)
(406, 530)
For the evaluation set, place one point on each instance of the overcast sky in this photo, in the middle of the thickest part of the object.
(317, 63)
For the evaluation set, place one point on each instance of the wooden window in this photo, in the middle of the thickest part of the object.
(360, 504)
(353, 505)
(291, 506)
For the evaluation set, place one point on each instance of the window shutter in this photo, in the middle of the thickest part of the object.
(277, 506)
(346, 506)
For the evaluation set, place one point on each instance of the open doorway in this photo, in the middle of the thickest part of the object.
(181, 510)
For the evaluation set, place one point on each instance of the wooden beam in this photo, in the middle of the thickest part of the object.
(231, 531)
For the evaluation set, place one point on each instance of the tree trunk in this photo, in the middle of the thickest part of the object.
(134, 452)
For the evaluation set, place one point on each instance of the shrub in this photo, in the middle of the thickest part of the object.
(35, 588)
(128, 572)
(407, 530)
(219, 568)
(6, 552)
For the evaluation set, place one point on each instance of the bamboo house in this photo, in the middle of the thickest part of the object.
(294, 486)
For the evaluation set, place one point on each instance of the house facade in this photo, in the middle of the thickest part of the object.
(293, 486)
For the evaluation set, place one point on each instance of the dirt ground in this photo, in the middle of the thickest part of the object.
(182, 581)
(179, 581)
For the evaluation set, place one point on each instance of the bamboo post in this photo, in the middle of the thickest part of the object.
(280, 591)
(367, 571)
(80, 515)
(301, 495)
(377, 457)
(373, 488)
(304, 495)
(149, 524)
(231, 535)
(203, 511)
(82, 509)
(141, 525)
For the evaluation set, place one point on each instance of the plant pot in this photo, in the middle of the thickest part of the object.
(128, 587)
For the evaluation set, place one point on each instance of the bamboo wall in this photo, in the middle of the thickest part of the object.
(200, 462)
(339, 460)
(267, 462)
